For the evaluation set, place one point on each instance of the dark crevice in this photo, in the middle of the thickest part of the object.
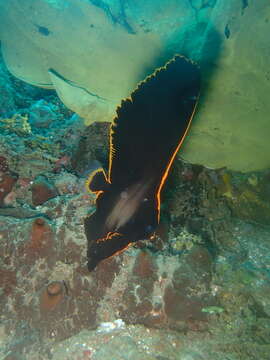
(119, 19)
(244, 5)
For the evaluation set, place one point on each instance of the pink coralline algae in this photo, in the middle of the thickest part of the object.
(40, 243)
(6, 184)
(52, 296)
(42, 191)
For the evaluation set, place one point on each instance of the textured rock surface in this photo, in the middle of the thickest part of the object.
(42, 191)
(199, 289)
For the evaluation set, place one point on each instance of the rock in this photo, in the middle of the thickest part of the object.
(3, 164)
(93, 149)
(42, 191)
(52, 296)
(7, 182)
(41, 114)
(41, 241)
(67, 183)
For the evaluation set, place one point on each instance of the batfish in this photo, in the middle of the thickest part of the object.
(145, 136)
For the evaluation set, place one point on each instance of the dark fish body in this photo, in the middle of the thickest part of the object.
(144, 138)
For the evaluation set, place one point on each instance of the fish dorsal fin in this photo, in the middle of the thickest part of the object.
(150, 125)
(97, 181)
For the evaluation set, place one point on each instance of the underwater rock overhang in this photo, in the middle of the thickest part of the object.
(145, 136)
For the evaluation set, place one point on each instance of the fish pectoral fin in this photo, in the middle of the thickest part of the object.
(97, 181)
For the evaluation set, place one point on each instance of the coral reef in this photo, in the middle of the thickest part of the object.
(199, 289)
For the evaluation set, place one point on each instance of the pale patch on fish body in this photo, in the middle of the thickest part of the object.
(126, 206)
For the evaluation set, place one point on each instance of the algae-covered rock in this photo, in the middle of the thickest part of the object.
(250, 199)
